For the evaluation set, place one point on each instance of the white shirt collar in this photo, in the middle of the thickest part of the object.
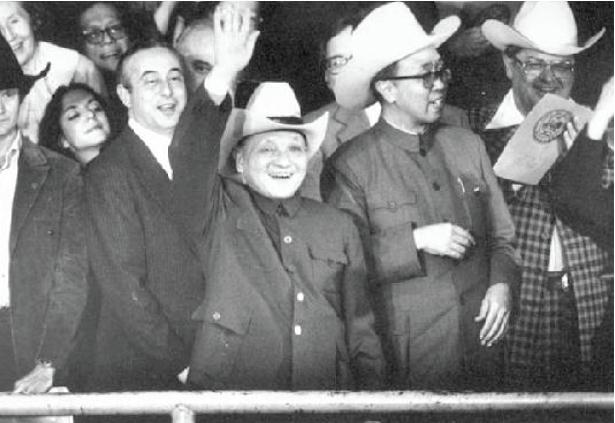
(12, 154)
(156, 143)
(373, 113)
(508, 113)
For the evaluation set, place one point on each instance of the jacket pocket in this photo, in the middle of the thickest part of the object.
(327, 268)
(389, 212)
(217, 342)
(476, 199)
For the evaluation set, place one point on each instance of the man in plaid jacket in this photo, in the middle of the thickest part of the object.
(564, 291)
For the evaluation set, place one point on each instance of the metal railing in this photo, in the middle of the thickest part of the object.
(183, 406)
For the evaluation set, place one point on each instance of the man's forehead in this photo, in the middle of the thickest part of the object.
(341, 42)
(157, 59)
(196, 39)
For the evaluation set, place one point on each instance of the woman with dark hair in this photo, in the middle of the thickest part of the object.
(75, 123)
(19, 25)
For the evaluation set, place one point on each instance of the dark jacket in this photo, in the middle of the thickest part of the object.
(248, 337)
(146, 268)
(392, 183)
(48, 258)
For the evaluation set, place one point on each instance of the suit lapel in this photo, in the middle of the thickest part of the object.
(31, 175)
(148, 170)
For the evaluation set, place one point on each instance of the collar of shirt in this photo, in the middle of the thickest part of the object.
(156, 143)
(12, 154)
(407, 141)
(373, 113)
(270, 206)
(508, 113)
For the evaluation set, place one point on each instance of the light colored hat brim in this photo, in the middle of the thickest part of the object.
(242, 123)
(501, 36)
(353, 82)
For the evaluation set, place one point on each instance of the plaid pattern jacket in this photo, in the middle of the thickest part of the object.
(534, 331)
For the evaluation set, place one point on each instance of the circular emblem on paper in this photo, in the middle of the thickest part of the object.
(551, 125)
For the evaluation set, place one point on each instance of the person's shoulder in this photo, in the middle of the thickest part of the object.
(112, 160)
(357, 149)
(38, 155)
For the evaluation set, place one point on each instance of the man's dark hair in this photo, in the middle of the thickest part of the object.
(122, 77)
(384, 73)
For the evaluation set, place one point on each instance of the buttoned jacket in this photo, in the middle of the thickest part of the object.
(427, 302)
(48, 261)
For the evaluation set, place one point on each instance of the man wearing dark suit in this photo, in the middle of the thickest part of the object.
(143, 255)
(146, 269)
(42, 248)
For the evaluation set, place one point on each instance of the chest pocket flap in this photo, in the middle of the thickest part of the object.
(228, 315)
(389, 211)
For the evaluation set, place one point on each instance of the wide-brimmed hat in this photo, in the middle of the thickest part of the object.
(547, 26)
(389, 33)
(11, 74)
(272, 107)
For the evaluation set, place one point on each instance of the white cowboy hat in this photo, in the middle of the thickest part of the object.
(272, 107)
(389, 33)
(547, 26)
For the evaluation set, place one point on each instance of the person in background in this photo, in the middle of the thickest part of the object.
(18, 24)
(563, 295)
(43, 261)
(76, 123)
(346, 123)
(196, 46)
(438, 237)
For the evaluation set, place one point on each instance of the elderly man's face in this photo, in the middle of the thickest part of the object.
(196, 46)
(338, 54)
(419, 105)
(156, 95)
(273, 163)
(531, 77)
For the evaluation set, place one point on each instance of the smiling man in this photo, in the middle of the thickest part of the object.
(145, 267)
(434, 225)
(564, 295)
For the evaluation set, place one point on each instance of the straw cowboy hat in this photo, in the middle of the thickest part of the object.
(11, 75)
(272, 107)
(547, 26)
(389, 33)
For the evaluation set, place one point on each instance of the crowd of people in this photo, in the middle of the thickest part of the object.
(172, 222)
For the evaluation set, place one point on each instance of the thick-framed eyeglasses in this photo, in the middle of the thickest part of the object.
(333, 64)
(429, 78)
(97, 36)
(535, 68)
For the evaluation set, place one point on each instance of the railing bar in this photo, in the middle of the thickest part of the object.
(256, 402)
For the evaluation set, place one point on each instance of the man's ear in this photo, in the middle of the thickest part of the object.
(508, 65)
(387, 90)
(124, 95)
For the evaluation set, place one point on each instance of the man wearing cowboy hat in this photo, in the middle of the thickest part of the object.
(43, 264)
(437, 234)
(562, 295)
(286, 304)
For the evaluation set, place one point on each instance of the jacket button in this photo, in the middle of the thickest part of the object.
(546, 235)
(392, 205)
(50, 232)
(300, 297)
(216, 316)
(422, 152)
(288, 239)
(297, 330)
(436, 186)
(290, 268)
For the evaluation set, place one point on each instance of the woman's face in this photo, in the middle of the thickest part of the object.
(16, 29)
(105, 40)
(83, 121)
(273, 163)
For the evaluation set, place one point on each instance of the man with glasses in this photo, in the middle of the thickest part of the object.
(344, 123)
(563, 295)
(434, 225)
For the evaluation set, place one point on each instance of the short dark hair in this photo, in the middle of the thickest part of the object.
(122, 77)
(50, 131)
(511, 51)
(348, 20)
(384, 73)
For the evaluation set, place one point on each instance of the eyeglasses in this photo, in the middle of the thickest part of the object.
(333, 64)
(429, 78)
(97, 36)
(535, 68)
